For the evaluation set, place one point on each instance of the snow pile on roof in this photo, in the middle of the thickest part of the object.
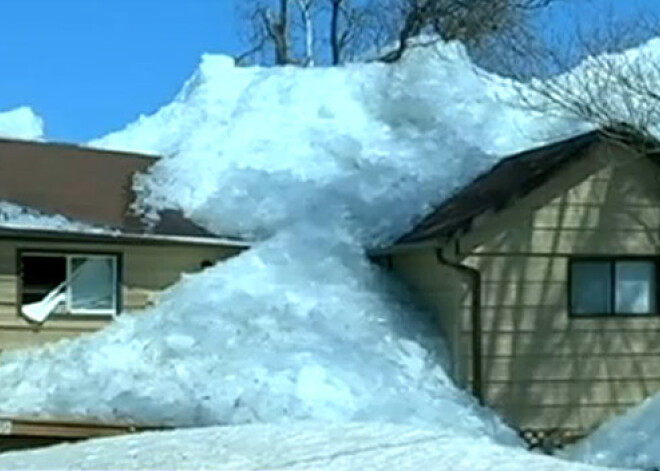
(628, 79)
(374, 447)
(249, 150)
(20, 217)
(322, 163)
(631, 440)
(21, 123)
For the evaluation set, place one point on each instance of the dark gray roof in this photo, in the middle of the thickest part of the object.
(507, 181)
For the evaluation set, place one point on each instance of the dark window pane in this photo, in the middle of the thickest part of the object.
(591, 284)
(40, 275)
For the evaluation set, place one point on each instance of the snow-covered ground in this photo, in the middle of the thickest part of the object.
(301, 446)
(631, 440)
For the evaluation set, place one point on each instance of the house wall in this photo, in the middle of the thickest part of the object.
(542, 369)
(441, 289)
(146, 271)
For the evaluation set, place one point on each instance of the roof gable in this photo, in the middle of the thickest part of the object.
(501, 186)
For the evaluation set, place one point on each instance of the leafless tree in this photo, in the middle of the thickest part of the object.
(307, 16)
(354, 28)
(268, 26)
(358, 27)
(614, 90)
(468, 21)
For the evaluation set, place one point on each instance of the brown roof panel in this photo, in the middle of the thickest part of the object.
(91, 185)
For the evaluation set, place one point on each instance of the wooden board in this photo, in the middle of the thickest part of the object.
(36, 427)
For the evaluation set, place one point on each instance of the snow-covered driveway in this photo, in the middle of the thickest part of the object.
(301, 446)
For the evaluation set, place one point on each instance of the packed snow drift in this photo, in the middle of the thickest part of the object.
(631, 440)
(377, 447)
(319, 164)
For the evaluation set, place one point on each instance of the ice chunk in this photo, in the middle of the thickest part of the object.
(21, 123)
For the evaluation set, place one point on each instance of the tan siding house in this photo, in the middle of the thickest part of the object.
(143, 271)
(62, 283)
(561, 247)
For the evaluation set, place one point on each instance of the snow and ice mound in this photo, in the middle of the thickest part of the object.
(249, 150)
(630, 440)
(20, 217)
(21, 123)
(299, 328)
(375, 447)
(320, 163)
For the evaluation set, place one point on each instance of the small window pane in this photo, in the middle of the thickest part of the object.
(93, 284)
(635, 287)
(591, 288)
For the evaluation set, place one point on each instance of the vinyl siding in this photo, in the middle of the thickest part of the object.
(543, 369)
(439, 288)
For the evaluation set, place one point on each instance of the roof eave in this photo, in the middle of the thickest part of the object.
(14, 233)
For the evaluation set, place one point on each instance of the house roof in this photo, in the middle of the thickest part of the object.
(89, 185)
(110, 238)
(506, 182)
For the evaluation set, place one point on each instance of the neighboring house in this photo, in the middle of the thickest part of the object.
(544, 275)
(59, 282)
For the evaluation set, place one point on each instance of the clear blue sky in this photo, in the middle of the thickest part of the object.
(91, 66)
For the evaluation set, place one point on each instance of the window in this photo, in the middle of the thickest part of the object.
(613, 287)
(72, 284)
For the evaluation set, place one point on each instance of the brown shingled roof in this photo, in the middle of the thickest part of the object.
(507, 181)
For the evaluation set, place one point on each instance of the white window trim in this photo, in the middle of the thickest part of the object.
(70, 310)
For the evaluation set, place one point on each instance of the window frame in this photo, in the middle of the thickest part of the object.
(69, 255)
(612, 261)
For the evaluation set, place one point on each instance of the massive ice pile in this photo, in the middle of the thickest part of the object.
(21, 123)
(320, 163)
(251, 150)
(294, 329)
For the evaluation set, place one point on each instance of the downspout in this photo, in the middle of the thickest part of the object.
(475, 317)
